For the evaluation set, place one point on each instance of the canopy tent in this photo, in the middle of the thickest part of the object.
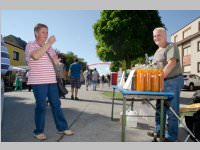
(14, 68)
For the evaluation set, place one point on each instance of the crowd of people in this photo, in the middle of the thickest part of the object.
(94, 79)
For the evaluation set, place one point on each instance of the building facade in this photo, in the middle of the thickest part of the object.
(188, 42)
(16, 54)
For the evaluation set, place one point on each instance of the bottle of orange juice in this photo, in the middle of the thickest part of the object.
(134, 79)
(161, 79)
(140, 79)
(137, 78)
(155, 79)
(147, 79)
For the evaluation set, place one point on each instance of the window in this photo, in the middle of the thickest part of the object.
(186, 33)
(187, 68)
(198, 46)
(15, 55)
(175, 38)
(198, 77)
(199, 25)
(186, 51)
(198, 66)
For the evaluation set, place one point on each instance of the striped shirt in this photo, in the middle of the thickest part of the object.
(5, 59)
(41, 71)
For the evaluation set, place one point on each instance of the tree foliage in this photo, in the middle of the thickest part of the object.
(124, 35)
(114, 67)
(68, 58)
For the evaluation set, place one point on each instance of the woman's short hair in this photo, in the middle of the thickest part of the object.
(39, 26)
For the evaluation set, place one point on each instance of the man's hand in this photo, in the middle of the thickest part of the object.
(169, 67)
(51, 40)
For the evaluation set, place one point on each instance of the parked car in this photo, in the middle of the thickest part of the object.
(191, 81)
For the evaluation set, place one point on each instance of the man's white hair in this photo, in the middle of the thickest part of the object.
(160, 29)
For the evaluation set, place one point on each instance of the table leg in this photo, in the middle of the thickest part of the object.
(162, 120)
(132, 105)
(123, 120)
(113, 98)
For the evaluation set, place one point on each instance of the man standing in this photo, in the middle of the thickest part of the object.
(5, 63)
(42, 78)
(75, 71)
(167, 55)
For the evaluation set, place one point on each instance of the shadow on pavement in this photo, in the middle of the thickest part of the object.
(18, 123)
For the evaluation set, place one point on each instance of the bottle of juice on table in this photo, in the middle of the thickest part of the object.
(155, 79)
(161, 78)
(140, 79)
(134, 79)
(147, 79)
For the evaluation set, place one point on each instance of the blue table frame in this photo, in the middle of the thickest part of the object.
(134, 95)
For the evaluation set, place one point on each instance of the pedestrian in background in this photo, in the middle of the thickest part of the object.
(18, 81)
(108, 78)
(95, 76)
(102, 80)
(29, 86)
(86, 75)
(42, 77)
(75, 71)
(61, 67)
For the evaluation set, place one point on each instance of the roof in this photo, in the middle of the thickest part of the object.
(14, 45)
(185, 25)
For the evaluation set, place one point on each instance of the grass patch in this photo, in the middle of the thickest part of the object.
(109, 94)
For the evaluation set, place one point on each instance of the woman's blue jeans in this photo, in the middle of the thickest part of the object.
(172, 85)
(41, 92)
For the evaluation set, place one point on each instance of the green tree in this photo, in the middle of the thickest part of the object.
(114, 67)
(69, 59)
(124, 35)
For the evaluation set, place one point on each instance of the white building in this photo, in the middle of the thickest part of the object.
(188, 42)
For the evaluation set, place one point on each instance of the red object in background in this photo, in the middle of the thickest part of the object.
(114, 78)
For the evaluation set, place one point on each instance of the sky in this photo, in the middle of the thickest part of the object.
(73, 28)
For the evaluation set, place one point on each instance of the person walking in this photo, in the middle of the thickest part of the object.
(102, 80)
(29, 86)
(61, 67)
(108, 78)
(86, 75)
(18, 81)
(95, 76)
(42, 78)
(75, 71)
(167, 55)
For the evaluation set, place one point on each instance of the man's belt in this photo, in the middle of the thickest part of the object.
(173, 77)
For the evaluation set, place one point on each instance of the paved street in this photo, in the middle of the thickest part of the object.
(89, 118)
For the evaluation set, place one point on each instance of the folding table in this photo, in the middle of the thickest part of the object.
(135, 95)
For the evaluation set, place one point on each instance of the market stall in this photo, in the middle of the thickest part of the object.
(138, 96)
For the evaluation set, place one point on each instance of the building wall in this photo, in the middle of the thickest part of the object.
(194, 57)
(11, 49)
(193, 28)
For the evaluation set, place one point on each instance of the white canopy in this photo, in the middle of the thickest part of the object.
(14, 68)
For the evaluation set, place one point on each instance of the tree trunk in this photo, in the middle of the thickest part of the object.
(128, 63)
